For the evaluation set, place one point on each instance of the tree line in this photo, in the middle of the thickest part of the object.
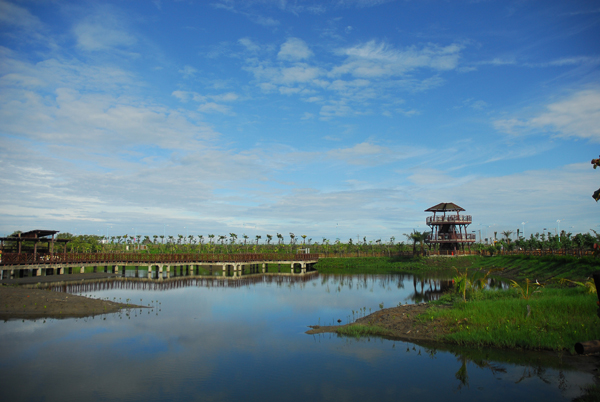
(234, 244)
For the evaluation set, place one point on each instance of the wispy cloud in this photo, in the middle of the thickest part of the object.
(373, 59)
(103, 32)
(367, 71)
(575, 116)
(12, 14)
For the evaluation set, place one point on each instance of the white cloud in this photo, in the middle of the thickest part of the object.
(12, 14)
(103, 31)
(575, 116)
(186, 96)
(249, 44)
(188, 71)
(374, 59)
(294, 49)
(369, 154)
(537, 196)
(212, 107)
(336, 109)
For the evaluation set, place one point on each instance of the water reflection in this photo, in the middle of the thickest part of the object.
(212, 340)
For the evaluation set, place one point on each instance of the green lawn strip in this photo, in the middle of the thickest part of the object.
(559, 318)
(387, 265)
(358, 330)
(542, 268)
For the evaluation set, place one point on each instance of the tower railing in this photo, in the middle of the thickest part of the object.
(449, 219)
(451, 237)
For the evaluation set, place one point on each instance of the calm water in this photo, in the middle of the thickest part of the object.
(204, 341)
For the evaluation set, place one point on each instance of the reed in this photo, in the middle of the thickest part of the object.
(359, 330)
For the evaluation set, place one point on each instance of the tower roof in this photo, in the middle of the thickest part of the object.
(444, 206)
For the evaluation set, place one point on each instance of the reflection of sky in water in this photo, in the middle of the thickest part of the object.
(249, 343)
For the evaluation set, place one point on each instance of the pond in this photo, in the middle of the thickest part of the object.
(214, 339)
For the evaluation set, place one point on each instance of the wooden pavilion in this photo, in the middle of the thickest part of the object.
(33, 242)
(449, 228)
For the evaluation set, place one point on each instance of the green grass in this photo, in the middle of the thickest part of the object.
(385, 265)
(559, 318)
(542, 268)
(523, 266)
(359, 330)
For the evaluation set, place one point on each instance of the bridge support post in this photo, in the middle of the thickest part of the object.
(264, 267)
(224, 270)
(61, 271)
(82, 270)
(293, 268)
(303, 267)
(116, 269)
(38, 272)
(160, 269)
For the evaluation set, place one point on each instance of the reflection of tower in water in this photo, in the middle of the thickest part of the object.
(429, 289)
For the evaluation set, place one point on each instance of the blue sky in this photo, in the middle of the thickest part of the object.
(323, 118)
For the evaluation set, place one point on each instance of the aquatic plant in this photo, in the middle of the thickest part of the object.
(475, 283)
(527, 290)
(589, 284)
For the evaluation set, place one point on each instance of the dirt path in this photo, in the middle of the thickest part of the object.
(400, 322)
(19, 303)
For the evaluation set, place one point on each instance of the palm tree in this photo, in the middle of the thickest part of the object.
(422, 239)
(211, 237)
(233, 237)
(155, 237)
(292, 238)
(258, 237)
(269, 238)
(280, 237)
(414, 237)
(303, 239)
(507, 235)
(417, 236)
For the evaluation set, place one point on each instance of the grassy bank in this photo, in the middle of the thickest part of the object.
(541, 268)
(553, 319)
(522, 266)
(385, 265)
(556, 319)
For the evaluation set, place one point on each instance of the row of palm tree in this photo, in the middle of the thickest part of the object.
(244, 244)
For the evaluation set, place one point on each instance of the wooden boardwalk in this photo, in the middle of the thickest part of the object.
(18, 265)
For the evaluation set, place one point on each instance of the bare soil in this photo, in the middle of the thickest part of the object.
(401, 323)
(22, 303)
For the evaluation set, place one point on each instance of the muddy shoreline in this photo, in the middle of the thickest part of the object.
(400, 323)
(26, 303)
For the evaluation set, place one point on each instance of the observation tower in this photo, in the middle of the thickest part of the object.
(449, 228)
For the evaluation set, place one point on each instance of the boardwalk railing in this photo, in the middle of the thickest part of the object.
(133, 258)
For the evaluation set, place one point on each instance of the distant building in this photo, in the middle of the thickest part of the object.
(449, 228)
